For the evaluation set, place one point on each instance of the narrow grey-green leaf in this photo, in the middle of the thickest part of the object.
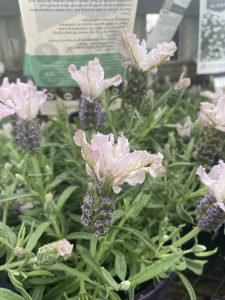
(206, 253)
(14, 197)
(64, 197)
(85, 254)
(38, 292)
(120, 265)
(157, 268)
(187, 285)
(71, 271)
(79, 235)
(195, 265)
(8, 234)
(6, 294)
(109, 279)
(35, 236)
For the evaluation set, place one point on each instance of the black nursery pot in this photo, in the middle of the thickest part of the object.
(152, 292)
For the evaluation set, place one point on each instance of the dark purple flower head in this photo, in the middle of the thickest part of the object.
(209, 214)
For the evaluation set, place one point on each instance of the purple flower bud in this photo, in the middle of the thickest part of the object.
(96, 215)
(209, 214)
(28, 134)
(83, 111)
(98, 113)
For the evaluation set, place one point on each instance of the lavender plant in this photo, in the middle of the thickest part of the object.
(100, 235)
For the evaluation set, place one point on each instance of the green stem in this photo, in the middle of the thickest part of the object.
(93, 245)
(17, 264)
(37, 171)
(56, 228)
(5, 213)
(187, 237)
(113, 236)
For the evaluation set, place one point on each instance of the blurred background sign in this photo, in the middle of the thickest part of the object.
(169, 19)
(60, 33)
(211, 41)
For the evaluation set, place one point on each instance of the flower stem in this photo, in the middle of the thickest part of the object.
(187, 237)
(56, 228)
(17, 264)
(37, 172)
(93, 245)
(113, 236)
(5, 212)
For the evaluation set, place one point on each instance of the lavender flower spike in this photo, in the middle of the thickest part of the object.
(209, 214)
(23, 100)
(83, 110)
(97, 214)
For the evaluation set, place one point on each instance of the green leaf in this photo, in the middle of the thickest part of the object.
(71, 271)
(160, 266)
(162, 100)
(85, 254)
(108, 277)
(19, 286)
(117, 215)
(7, 234)
(38, 292)
(206, 253)
(6, 294)
(64, 197)
(35, 236)
(79, 235)
(183, 214)
(41, 273)
(5, 242)
(15, 197)
(187, 285)
(195, 265)
(120, 265)
(140, 236)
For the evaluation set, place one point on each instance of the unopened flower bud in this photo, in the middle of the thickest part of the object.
(49, 205)
(8, 166)
(150, 93)
(18, 251)
(165, 238)
(48, 169)
(19, 177)
(54, 252)
(198, 248)
(125, 285)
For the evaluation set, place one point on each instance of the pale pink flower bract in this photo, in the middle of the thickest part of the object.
(22, 99)
(112, 163)
(214, 181)
(91, 81)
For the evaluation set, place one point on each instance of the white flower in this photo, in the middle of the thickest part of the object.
(214, 96)
(135, 53)
(64, 248)
(213, 115)
(22, 99)
(158, 56)
(91, 81)
(214, 181)
(185, 130)
(112, 164)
